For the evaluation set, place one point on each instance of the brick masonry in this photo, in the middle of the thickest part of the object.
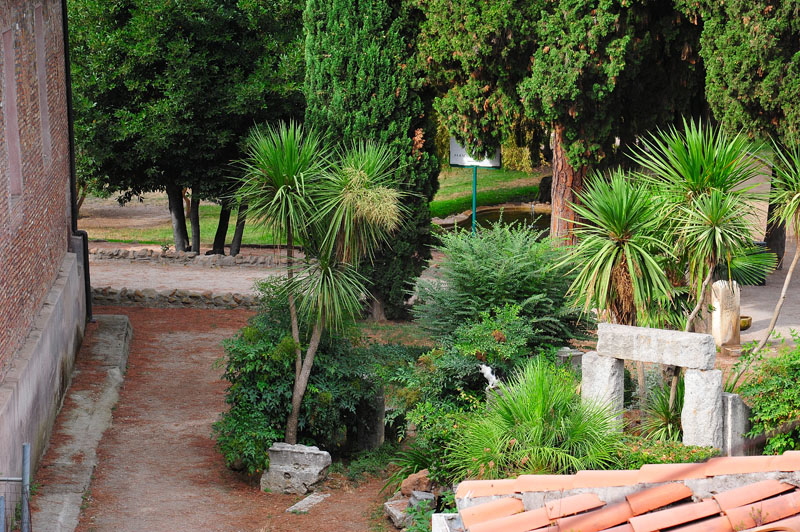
(34, 225)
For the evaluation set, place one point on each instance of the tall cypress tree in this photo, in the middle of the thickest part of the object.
(362, 83)
(750, 50)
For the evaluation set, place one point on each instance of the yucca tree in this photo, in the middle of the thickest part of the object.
(280, 162)
(620, 249)
(701, 175)
(355, 209)
(341, 206)
(785, 194)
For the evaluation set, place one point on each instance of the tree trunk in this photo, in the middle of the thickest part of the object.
(673, 389)
(300, 384)
(222, 229)
(83, 189)
(777, 312)
(376, 309)
(179, 234)
(298, 361)
(187, 204)
(775, 237)
(566, 182)
(241, 218)
(194, 219)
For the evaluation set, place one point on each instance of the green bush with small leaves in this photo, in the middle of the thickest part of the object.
(637, 451)
(774, 397)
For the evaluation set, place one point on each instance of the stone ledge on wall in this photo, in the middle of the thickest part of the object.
(175, 298)
(185, 257)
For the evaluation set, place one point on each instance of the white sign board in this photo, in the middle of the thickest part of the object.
(459, 157)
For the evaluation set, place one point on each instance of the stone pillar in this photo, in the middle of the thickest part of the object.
(725, 316)
(701, 416)
(603, 380)
(736, 422)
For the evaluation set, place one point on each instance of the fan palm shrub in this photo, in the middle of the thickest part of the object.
(536, 423)
(662, 420)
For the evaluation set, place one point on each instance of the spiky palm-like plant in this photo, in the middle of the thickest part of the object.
(785, 194)
(341, 207)
(685, 169)
(619, 249)
(536, 423)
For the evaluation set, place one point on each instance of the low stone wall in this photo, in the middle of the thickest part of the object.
(175, 298)
(187, 257)
(32, 390)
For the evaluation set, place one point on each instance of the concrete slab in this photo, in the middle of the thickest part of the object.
(82, 426)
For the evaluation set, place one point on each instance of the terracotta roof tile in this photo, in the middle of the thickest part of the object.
(654, 498)
(521, 522)
(737, 465)
(751, 493)
(651, 473)
(621, 528)
(602, 479)
(715, 524)
(677, 515)
(792, 523)
(491, 510)
(572, 505)
(756, 514)
(788, 461)
(597, 520)
(485, 488)
(544, 483)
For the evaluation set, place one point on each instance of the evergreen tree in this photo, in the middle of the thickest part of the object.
(591, 74)
(164, 91)
(753, 72)
(362, 83)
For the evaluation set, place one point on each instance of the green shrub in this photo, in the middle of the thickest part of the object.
(259, 366)
(638, 451)
(774, 397)
(498, 337)
(535, 424)
(501, 266)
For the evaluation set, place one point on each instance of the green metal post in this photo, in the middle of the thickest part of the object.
(474, 198)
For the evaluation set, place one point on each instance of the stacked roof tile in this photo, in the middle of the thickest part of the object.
(724, 494)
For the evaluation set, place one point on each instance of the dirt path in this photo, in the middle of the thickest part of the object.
(158, 468)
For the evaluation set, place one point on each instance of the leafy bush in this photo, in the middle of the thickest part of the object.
(638, 451)
(501, 266)
(535, 424)
(497, 338)
(260, 368)
(774, 397)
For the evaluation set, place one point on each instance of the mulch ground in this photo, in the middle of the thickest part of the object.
(158, 467)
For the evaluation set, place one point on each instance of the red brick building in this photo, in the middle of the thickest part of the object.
(42, 273)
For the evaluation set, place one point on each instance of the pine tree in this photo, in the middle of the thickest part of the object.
(362, 83)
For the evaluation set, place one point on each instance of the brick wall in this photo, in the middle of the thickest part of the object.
(34, 164)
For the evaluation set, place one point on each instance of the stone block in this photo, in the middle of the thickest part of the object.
(294, 468)
(603, 380)
(701, 416)
(735, 423)
(420, 496)
(396, 512)
(675, 348)
(309, 502)
(725, 322)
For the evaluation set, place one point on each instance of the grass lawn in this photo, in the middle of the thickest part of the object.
(162, 234)
(454, 196)
(494, 187)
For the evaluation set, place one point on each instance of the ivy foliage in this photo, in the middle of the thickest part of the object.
(361, 83)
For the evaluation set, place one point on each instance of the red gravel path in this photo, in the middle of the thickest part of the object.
(158, 468)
